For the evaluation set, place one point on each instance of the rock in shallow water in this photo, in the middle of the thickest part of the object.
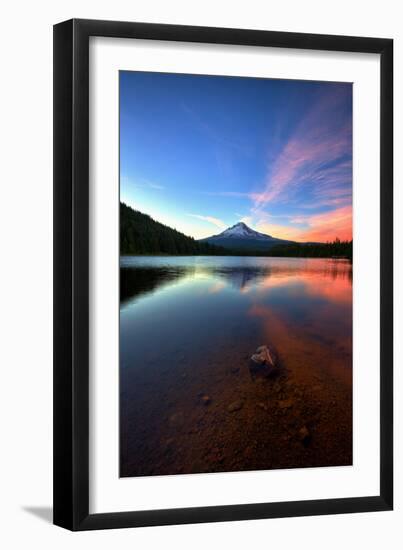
(263, 355)
(263, 363)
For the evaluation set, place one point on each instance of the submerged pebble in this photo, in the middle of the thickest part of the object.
(235, 406)
(206, 400)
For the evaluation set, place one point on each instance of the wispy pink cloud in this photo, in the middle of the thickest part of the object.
(328, 226)
(318, 227)
(312, 156)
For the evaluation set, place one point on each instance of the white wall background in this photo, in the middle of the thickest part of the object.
(26, 271)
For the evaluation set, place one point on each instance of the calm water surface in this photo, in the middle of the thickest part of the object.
(188, 326)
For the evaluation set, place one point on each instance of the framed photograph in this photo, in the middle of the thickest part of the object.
(223, 256)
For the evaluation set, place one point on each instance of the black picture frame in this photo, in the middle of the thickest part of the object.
(71, 274)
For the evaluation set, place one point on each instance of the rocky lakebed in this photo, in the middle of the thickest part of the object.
(226, 411)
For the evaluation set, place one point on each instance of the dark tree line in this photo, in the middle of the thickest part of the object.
(140, 234)
(335, 249)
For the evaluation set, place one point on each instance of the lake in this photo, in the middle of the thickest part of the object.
(189, 402)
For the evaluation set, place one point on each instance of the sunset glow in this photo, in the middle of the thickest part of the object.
(201, 153)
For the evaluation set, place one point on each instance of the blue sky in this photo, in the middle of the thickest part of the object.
(200, 153)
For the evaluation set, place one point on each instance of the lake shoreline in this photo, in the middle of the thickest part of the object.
(156, 255)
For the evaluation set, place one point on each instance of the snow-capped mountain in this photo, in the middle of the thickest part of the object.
(242, 230)
(241, 236)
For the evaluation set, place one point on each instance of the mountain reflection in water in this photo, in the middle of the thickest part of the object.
(140, 275)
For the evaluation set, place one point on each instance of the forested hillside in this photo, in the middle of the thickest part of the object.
(140, 234)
